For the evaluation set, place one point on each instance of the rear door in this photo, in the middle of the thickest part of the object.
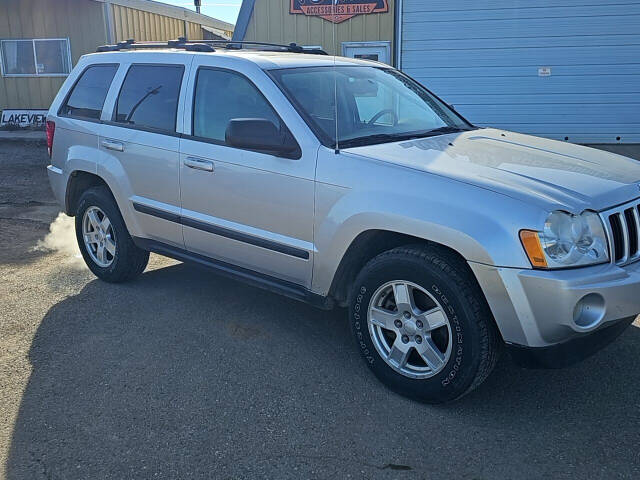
(251, 209)
(140, 140)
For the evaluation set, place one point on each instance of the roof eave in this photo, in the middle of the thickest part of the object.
(173, 11)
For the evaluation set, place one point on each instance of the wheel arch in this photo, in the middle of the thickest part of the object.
(79, 181)
(371, 243)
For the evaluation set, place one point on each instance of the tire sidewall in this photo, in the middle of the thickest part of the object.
(460, 370)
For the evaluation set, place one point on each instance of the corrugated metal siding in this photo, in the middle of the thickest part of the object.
(82, 21)
(272, 22)
(194, 31)
(144, 26)
(483, 57)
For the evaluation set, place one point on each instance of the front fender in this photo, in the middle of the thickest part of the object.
(479, 224)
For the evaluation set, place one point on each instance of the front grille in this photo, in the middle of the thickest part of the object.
(623, 229)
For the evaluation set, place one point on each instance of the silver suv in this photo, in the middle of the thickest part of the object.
(342, 182)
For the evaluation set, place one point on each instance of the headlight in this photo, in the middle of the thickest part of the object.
(567, 241)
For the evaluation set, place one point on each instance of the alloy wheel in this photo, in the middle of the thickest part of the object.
(98, 235)
(409, 329)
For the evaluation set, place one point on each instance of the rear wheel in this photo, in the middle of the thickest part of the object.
(422, 324)
(105, 243)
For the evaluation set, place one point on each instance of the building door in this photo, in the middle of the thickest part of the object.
(377, 51)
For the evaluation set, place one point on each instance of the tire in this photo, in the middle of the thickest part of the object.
(127, 261)
(456, 357)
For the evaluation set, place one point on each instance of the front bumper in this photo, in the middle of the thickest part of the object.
(569, 352)
(544, 308)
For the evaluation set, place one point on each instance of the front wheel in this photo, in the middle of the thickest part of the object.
(422, 325)
(105, 243)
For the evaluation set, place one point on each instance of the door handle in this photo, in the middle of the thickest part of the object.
(112, 145)
(199, 164)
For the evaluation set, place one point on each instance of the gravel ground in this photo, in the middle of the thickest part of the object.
(182, 374)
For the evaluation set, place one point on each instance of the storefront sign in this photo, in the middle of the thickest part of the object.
(23, 118)
(337, 11)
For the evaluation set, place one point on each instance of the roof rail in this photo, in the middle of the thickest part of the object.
(180, 42)
(238, 45)
(208, 46)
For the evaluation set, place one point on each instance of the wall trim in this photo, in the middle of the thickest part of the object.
(246, 10)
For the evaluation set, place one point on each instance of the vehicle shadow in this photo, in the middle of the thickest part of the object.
(184, 374)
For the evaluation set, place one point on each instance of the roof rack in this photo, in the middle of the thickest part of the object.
(208, 46)
(238, 45)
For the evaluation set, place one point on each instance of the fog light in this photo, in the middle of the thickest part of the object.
(589, 311)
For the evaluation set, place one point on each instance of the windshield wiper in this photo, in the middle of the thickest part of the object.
(397, 137)
(376, 138)
(445, 130)
(440, 131)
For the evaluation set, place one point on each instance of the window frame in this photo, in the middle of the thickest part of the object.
(112, 121)
(73, 87)
(35, 58)
(296, 155)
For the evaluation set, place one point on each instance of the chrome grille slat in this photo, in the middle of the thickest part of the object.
(633, 231)
(620, 223)
(636, 214)
(625, 236)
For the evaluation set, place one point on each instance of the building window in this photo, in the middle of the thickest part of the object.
(50, 57)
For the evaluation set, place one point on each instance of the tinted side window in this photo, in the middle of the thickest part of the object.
(221, 96)
(88, 94)
(149, 96)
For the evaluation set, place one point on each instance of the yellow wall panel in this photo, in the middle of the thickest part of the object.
(145, 26)
(194, 31)
(81, 21)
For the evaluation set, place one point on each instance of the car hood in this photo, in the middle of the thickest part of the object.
(553, 174)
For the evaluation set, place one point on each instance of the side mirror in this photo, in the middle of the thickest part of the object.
(261, 135)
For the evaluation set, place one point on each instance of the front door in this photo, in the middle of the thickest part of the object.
(377, 51)
(250, 209)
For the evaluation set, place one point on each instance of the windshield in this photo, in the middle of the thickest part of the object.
(375, 105)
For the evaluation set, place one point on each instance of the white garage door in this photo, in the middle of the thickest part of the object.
(564, 69)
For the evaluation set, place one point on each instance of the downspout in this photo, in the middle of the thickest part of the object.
(244, 16)
(397, 34)
(108, 19)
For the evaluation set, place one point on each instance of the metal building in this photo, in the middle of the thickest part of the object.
(563, 69)
(41, 40)
(286, 21)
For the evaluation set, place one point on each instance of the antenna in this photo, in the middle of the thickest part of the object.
(334, 5)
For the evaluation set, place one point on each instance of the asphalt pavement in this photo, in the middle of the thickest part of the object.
(184, 374)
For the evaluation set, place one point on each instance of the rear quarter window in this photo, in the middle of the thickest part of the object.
(87, 96)
(149, 96)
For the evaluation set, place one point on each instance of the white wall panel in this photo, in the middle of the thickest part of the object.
(484, 56)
